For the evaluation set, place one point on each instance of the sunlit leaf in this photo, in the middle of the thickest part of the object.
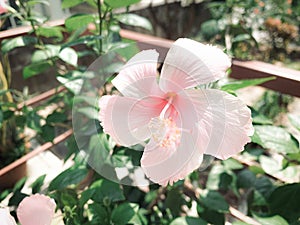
(50, 32)
(49, 51)
(79, 20)
(73, 81)
(218, 178)
(20, 41)
(238, 84)
(69, 55)
(71, 3)
(275, 138)
(134, 20)
(295, 120)
(186, 220)
(120, 3)
(274, 220)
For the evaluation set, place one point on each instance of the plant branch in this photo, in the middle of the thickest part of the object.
(100, 25)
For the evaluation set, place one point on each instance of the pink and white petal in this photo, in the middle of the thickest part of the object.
(37, 209)
(190, 63)
(3, 6)
(126, 119)
(6, 218)
(138, 78)
(167, 165)
(228, 122)
(191, 105)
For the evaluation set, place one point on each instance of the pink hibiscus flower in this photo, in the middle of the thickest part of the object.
(36, 209)
(178, 118)
(3, 7)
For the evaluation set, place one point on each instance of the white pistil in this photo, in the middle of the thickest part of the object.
(170, 97)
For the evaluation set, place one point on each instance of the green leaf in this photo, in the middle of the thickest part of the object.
(209, 29)
(56, 117)
(33, 121)
(48, 133)
(212, 216)
(10, 44)
(34, 2)
(36, 68)
(275, 138)
(241, 37)
(90, 112)
(214, 201)
(124, 213)
(174, 201)
(238, 84)
(79, 20)
(91, 101)
(99, 214)
(82, 40)
(295, 120)
(50, 32)
(120, 3)
(19, 185)
(186, 220)
(105, 189)
(274, 220)
(69, 55)
(260, 119)
(264, 186)
(71, 176)
(16, 198)
(68, 197)
(1, 117)
(71, 3)
(37, 184)
(218, 178)
(284, 201)
(134, 20)
(85, 196)
(246, 179)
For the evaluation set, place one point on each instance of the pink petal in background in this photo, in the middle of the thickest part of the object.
(36, 210)
(3, 8)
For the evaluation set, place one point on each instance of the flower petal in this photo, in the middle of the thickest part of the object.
(6, 218)
(165, 165)
(126, 119)
(228, 123)
(36, 209)
(190, 63)
(138, 78)
(3, 6)
(223, 121)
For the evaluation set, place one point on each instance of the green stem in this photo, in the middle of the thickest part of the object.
(100, 26)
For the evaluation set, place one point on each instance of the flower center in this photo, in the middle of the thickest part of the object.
(165, 132)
